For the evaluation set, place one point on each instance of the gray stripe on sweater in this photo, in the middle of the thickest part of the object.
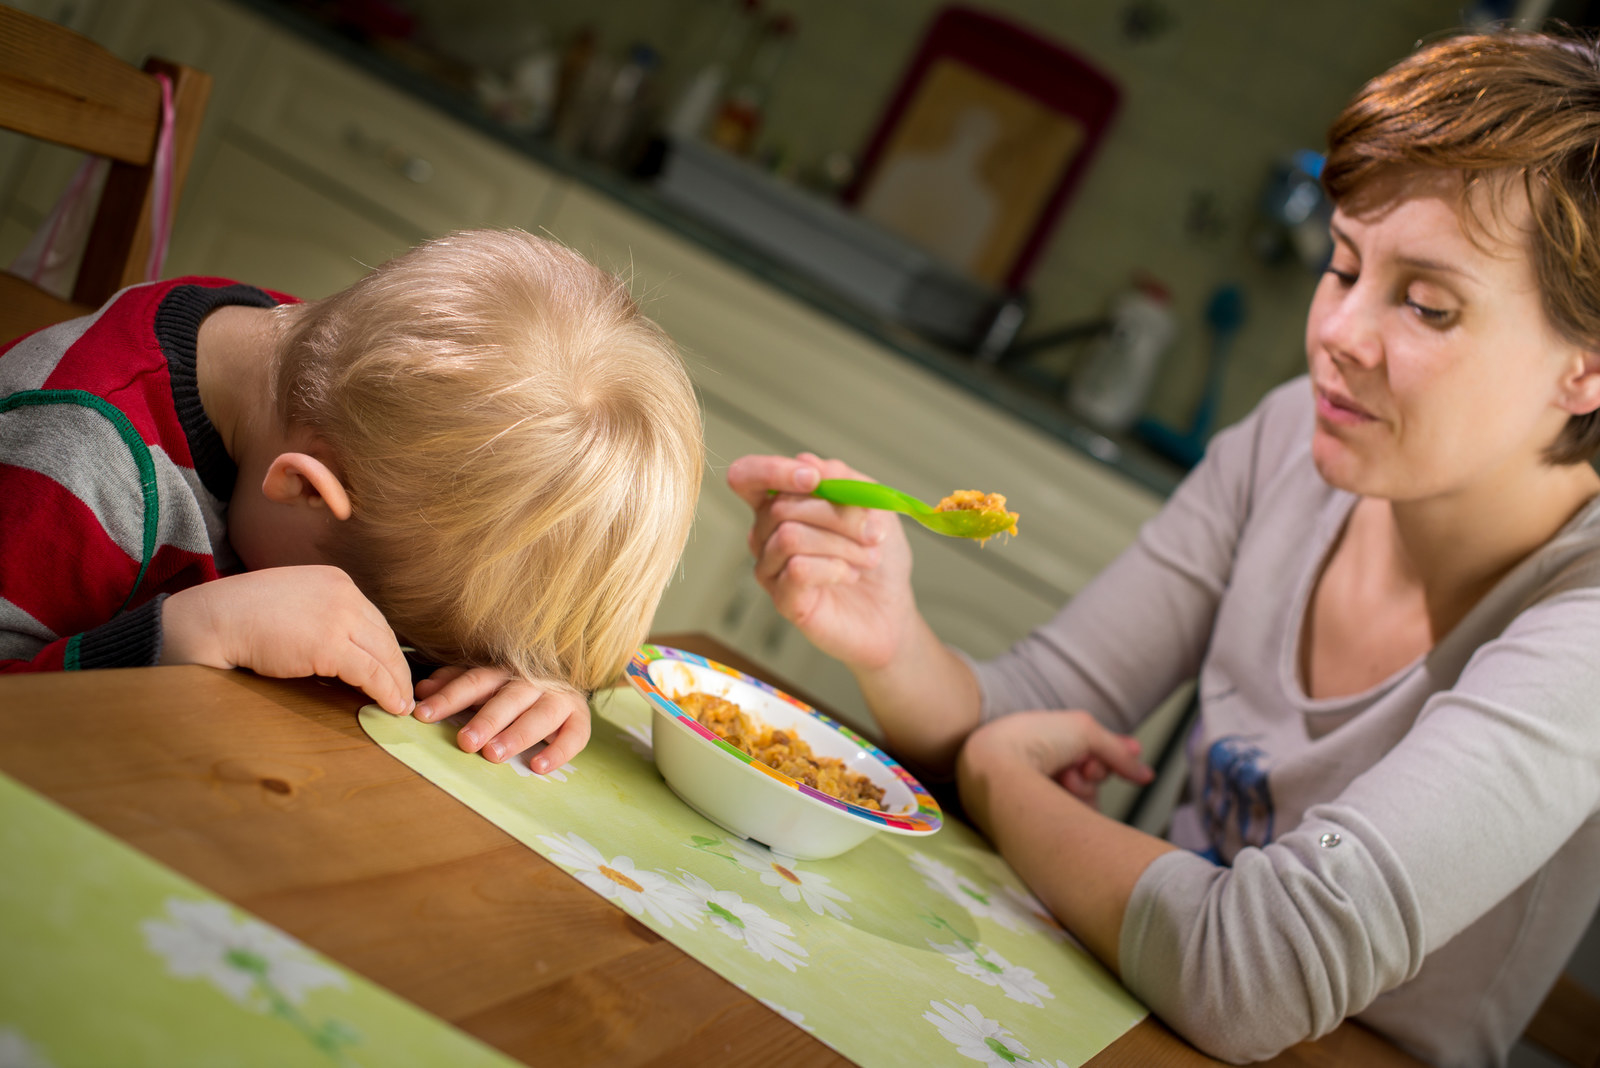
(78, 448)
(30, 361)
(213, 513)
(21, 636)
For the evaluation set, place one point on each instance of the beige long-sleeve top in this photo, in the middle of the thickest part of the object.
(1423, 856)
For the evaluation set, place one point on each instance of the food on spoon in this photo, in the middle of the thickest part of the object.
(978, 501)
(781, 751)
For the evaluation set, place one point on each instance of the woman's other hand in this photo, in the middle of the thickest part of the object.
(1020, 777)
(1071, 748)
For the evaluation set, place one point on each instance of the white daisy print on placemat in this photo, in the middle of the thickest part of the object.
(796, 1018)
(520, 764)
(17, 1052)
(985, 965)
(643, 893)
(974, 1035)
(785, 874)
(1018, 910)
(259, 967)
(939, 876)
(1012, 909)
(765, 936)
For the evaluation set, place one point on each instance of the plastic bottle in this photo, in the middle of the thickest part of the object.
(611, 134)
(739, 118)
(1111, 390)
(722, 42)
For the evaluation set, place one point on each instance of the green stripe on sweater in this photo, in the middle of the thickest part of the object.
(37, 398)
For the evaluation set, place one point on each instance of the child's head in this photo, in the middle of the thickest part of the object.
(1518, 113)
(521, 447)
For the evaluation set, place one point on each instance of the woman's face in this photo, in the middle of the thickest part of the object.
(1434, 365)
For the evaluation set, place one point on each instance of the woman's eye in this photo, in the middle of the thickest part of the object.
(1434, 316)
(1346, 278)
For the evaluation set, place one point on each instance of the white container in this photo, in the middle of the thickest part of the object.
(1111, 390)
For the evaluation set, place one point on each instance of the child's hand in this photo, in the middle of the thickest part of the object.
(514, 715)
(288, 622)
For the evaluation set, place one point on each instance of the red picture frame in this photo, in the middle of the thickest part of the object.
(1006, 54)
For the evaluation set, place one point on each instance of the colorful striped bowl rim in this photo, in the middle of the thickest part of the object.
(928, 816)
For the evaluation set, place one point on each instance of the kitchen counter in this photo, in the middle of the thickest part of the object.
(428, 80)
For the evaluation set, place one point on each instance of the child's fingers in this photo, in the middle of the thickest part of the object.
(567, 742)
(435, 682)
(462, 689)
(512, 700)
(378, 668)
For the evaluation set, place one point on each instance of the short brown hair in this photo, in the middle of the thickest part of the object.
(1520, 105)
(521, 445)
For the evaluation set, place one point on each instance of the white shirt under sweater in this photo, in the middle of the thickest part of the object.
(1423, 856)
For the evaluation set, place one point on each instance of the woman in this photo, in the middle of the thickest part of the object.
(1387, 580)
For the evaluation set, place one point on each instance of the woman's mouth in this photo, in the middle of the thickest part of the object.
(1340, 410)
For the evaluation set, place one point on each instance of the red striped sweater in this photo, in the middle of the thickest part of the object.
(113, 483)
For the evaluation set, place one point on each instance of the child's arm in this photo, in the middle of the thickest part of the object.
(289, 622)
(513, 715)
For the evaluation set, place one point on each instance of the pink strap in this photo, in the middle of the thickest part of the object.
(76, 190)
(161, 193)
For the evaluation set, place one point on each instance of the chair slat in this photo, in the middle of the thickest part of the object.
(60, 87)
(119, 243)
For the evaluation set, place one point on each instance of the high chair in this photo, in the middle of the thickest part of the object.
(58, 86)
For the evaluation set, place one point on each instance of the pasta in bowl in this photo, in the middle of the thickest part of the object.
(831, 789)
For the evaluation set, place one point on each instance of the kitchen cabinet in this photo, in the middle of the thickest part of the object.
(307, 171)
(310, 170)
(251, 220)
(323, 171)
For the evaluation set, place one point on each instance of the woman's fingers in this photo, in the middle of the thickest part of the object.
(1120, 754)
(753, 478)
(793, 541)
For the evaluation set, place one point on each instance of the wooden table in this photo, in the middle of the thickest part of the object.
(268, 793)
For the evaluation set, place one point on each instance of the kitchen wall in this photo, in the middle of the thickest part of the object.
(1214, 92)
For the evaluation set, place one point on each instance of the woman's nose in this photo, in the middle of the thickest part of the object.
(1349, 328)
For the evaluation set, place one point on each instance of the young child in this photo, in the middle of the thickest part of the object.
(482, 447)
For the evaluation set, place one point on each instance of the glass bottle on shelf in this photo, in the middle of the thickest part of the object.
(727, 26)
(739, 119)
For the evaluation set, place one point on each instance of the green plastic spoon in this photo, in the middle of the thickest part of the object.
(964, 523)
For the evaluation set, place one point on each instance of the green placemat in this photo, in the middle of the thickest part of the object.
(909, 951)
(109, 959)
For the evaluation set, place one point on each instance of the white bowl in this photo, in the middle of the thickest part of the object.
(750, 799)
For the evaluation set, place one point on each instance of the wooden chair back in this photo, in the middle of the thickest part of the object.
(57, 85)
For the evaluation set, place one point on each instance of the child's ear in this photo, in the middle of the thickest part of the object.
(299, 478)
(1580, 387)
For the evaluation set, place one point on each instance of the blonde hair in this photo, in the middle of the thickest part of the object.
(521, 446)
